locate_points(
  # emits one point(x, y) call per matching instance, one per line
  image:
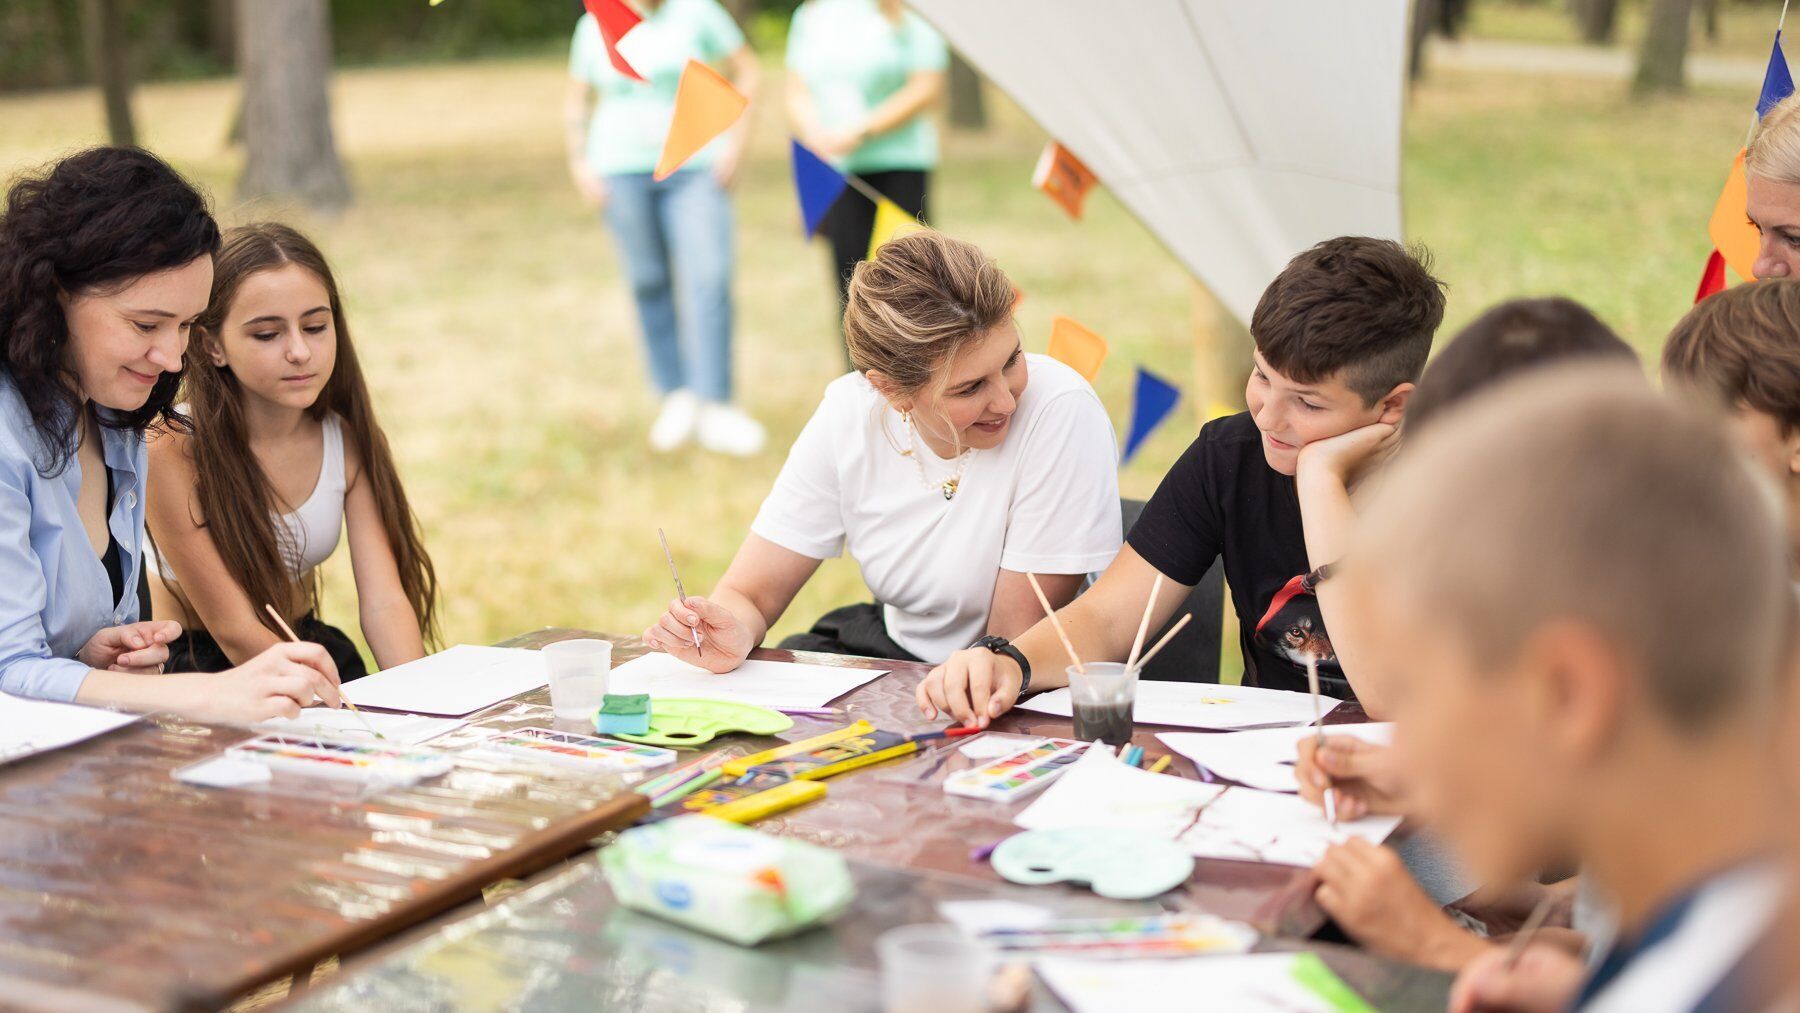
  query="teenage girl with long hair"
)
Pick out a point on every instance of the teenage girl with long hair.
point(285, 454)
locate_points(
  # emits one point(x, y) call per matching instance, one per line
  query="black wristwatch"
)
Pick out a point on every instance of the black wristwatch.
point(1000, 645)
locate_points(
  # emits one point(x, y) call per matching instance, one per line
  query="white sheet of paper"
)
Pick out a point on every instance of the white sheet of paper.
point(399, 729)
point(1202, 705)
point(28, 727)
point(1243, 984)
point(1262, 759)
point(1098, 790)
point(762, 683)
point(455, 682)
point(224, 771)
point(1262, 826)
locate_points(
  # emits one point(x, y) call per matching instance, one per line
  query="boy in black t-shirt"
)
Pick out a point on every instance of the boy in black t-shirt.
point(1341, 336)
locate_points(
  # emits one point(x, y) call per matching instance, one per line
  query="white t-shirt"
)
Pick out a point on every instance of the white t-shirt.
point(1046, 500)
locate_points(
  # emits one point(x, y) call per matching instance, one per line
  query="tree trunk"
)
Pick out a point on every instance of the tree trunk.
point(1426, 14)
point(284, 48)
point(1662, 62)
point(111, 61)
point(968, 108)
point(1597, 19)
point(221, 31)
point(1710, 17)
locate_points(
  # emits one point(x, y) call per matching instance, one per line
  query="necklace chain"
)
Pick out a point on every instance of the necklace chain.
point(947, 486)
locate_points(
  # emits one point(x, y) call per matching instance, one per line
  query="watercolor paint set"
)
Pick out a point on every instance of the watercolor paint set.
point(362, 761)
point(1018, 774)
point(1167, 935)
point(582, 752)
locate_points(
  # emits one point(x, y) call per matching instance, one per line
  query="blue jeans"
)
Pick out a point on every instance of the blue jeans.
point(675, 238)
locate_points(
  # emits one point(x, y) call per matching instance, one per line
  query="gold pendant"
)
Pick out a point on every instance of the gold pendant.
point(950, 488)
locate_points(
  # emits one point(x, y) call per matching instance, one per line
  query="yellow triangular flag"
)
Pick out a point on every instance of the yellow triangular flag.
point(1077, 347)
point(891, 222)
point(1732, 234)
point(706, 105)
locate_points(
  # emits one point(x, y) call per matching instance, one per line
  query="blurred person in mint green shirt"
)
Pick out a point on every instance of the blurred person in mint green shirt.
point(674, 237)
point(862, 77)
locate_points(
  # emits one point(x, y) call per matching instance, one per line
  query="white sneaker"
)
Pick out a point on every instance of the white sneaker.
point(725, 429)
point(674, 425)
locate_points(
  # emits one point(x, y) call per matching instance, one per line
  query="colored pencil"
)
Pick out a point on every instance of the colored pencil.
point(1163, 764)
point(1312, 684)
point(946, 733)
point(292, 638)
point(685, 788)
point(679, 591)
point(1164, 642)
point(1056, 623)
point(1137, 645)
point(1522, 939)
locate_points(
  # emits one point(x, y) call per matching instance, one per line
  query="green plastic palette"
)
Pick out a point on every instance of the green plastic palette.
point(691, 722)
point(1116, 863)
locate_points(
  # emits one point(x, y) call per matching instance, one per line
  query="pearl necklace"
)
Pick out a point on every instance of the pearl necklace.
point(949, 485)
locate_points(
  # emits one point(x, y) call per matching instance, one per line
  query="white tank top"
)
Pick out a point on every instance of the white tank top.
point(314, 528)
point(310, 534)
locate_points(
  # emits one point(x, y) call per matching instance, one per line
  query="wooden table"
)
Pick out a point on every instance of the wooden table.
point(566, 944)
point(122, 888)
point(885, 815)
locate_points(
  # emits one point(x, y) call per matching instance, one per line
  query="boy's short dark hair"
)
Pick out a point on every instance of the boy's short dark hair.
point(1744, 345)
point(1508, 340)
point(1365, 307)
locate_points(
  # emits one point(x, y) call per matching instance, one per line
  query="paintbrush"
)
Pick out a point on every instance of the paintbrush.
point(1164, 642)
point(1522, 938)
point(292, 638)
point(1056, 623)
point(679, 592)
point(1312, 684)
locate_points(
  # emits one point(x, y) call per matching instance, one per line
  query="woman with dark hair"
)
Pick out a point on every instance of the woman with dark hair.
point(285, 454)
point(106, 259)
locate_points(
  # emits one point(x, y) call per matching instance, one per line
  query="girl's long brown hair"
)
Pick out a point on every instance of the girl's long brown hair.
point(237, 503)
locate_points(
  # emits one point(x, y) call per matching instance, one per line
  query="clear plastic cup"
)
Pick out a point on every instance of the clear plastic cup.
point(933, 969)
point(1101, 697)
point(578, 670)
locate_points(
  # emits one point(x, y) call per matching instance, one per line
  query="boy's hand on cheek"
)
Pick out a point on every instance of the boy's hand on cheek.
point(1346, 454)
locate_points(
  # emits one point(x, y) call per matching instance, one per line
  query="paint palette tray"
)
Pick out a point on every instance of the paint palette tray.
point(1018, 774)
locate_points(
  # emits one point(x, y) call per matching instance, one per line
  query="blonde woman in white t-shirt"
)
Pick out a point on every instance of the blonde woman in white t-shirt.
point(949, 465)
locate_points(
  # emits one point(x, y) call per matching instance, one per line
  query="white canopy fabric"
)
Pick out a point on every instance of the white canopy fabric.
point(1240, 131)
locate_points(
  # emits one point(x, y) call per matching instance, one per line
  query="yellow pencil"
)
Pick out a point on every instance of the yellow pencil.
point(1161, 765)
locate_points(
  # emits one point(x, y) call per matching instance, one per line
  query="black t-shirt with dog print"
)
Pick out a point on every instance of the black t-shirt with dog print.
point(1222, 498)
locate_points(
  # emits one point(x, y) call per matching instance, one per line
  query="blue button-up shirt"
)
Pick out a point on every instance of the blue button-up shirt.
point(54, 590)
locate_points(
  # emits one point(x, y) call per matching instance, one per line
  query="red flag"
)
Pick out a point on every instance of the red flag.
point(1712, 280)
point(615, 19)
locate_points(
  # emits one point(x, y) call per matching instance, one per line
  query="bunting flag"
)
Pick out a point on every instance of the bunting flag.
point(1152, 399)
point(818, 184)
point(1733, 237)
point(706, 105)
point(1712, 280)
point(615, 18)
point(1062, 177)
point(1777, 82)
point(891, 222)
point(1077, 347)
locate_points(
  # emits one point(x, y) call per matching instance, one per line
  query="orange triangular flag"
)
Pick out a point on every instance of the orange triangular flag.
point(1732, 234)
point(1063, 178)
point(706, 105)
point(1712, 280)
point(1077, 347)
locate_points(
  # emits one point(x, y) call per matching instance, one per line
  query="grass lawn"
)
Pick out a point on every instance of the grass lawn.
point(503, 350)
point(1745, 29)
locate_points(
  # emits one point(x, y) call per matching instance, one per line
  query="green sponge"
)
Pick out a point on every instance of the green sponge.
point(624, 715)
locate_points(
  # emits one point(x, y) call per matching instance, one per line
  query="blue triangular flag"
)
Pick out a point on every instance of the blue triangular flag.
point(1151, 402)
point(818, 184)
point(1777, 82)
